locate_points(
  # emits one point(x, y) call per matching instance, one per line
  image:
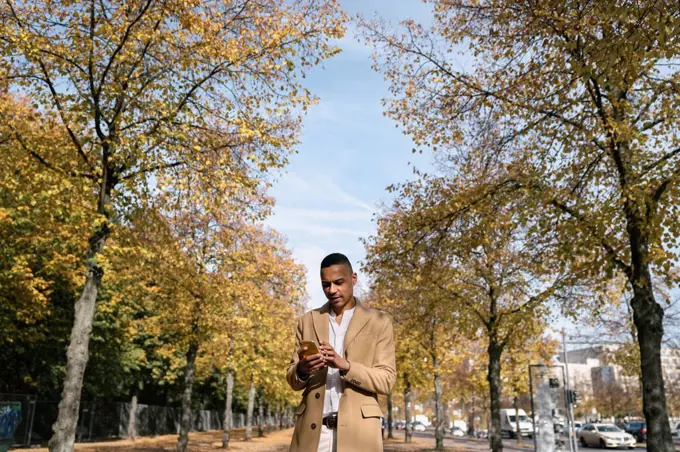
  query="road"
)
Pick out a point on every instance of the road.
point(482, 444)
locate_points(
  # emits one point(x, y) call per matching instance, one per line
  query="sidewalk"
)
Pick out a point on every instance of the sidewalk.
point(277, 441)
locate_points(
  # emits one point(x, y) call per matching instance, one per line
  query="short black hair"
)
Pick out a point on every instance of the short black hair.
point(336, 259)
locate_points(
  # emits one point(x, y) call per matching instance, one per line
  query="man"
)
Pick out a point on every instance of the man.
point(339, 411)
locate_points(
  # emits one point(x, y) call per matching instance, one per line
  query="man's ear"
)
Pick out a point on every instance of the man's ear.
point(354, 279)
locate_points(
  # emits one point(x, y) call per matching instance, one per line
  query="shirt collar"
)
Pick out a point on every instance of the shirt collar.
point(347, 311)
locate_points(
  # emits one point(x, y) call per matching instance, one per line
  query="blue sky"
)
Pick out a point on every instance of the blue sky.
point(349, 154)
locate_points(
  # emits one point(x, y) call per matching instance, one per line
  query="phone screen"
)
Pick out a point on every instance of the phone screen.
point(311, 348)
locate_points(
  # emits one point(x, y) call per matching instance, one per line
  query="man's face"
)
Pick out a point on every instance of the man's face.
point(338, 285)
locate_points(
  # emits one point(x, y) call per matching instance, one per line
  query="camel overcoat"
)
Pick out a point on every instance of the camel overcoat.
point(369, 348)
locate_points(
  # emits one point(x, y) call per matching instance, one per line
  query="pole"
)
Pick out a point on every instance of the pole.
point(29, 427)
point(533, 411)
point(573, 447)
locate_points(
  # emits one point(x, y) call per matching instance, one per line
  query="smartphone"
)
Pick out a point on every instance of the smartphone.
point(312, 349)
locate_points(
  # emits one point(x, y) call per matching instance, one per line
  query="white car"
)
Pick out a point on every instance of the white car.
point(604, 435)
point(417, 426)
point(577, 425)
point(457, 432)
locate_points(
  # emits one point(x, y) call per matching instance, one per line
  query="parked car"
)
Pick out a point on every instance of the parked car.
point(605, 435)
point(482, 433)
point(417, 426)
point(400, 425)
point(577, 426)
point(638, 429)
point(457, 431)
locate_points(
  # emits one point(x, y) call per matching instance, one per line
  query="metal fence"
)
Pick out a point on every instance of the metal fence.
point(100, 420)
point(23, 432)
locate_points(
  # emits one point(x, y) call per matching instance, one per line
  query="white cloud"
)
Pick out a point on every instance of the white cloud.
point(324, 215)
point(289, 224)
point(314, 188)
point(348, 198)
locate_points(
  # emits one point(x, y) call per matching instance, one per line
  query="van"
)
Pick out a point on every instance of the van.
point(509, 423)
point(462, 425)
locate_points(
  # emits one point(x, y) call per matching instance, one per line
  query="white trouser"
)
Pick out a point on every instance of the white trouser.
point(328, 442)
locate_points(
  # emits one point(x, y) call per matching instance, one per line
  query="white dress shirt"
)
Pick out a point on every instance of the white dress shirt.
point(336, 338)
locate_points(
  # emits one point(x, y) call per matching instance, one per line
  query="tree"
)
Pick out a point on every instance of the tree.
point(468, 380)
point(411, 363)
point(215, 265)
point(585, 97)
point(41, 268)
point(530, 346)
point(428, 321)
point(39, 247)
point(147, 92)
point(478, 256)
point(267, 290)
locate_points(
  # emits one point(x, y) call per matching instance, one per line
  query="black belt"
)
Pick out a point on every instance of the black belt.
point(330, 421)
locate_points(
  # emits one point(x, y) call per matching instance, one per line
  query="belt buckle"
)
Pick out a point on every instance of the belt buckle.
point(332, 420)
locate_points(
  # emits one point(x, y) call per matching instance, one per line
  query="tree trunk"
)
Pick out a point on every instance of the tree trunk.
point(185, 425)
point(132, 418)
point(260, 414)
point(227, 410)
point(438, 407)
point(77, 354)
point(515, 405)
point(494, 379)
point(390, 420)
point(269, 419)
point(471, 417)
point(407, 409)
point(249, 415)
point(648, 318)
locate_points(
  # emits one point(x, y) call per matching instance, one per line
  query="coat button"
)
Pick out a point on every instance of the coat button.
point(317, 395)
point(313, 426)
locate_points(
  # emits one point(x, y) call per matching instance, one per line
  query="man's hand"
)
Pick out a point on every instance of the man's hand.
point(311, 363)
point(332, 358)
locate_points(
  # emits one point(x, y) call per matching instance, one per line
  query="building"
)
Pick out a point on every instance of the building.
point(590, 369)
point(581, 365)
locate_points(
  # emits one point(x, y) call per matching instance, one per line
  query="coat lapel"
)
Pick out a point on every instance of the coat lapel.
point(320, 320)
point(359, 320)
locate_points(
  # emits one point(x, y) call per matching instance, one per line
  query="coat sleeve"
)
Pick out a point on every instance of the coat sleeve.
point(291, 374)
point(381, 376)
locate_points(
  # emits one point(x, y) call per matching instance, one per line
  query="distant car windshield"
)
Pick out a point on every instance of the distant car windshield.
point(522, 418)
point(608, 428)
